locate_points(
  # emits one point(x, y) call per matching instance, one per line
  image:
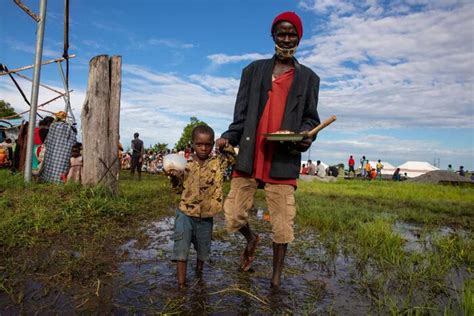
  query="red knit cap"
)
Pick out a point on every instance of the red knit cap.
point(291, 17)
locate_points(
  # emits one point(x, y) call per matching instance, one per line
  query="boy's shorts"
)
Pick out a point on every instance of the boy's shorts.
point(189, 230)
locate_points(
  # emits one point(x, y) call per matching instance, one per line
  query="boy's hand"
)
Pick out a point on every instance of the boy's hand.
point(221, 142)
point(173, 172)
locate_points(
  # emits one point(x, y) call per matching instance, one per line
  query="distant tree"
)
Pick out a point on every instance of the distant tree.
point(186, 135)
point(159, 147)
point(6, 109)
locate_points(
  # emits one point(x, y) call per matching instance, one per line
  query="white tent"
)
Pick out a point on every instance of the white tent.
point(388, 168)
point(416, 168)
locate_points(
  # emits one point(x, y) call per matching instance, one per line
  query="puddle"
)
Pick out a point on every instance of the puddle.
point(316, 280)
point(310, 284)
point(419, 239)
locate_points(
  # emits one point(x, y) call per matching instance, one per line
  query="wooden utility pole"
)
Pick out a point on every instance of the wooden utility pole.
point(100, 123)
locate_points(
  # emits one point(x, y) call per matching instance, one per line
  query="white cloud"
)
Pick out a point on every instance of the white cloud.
point(397, 71)
point(27, 48)
point(170, 43)
point(224, 85)
point(221, 59)
point(92, 44)
point(203, 96)
point(162, 103)
point(9, 93)
point(325, 6)
point(391, 149)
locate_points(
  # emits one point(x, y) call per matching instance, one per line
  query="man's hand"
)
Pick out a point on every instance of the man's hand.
point(303, 144)
point(221, 142)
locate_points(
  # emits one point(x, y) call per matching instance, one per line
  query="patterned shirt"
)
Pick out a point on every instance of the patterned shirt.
point(201, 185)
point(61, 137)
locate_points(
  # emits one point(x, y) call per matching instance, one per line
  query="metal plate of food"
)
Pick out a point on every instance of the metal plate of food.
point(284, 137)
point(289, 136)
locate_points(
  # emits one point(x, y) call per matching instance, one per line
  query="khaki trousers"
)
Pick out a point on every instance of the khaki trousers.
point(280, 200)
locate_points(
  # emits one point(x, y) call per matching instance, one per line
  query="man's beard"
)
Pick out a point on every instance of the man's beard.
point(285, 53)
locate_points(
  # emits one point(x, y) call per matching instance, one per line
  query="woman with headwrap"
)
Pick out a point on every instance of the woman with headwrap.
point(274, 94)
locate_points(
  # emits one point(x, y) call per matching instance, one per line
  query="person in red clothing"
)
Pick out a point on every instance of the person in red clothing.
point(304, 169)
point(372, 174)
point(351, 164)
point(274, 94)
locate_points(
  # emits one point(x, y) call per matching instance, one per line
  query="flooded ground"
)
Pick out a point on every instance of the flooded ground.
point(311, 285)
point(317, 280)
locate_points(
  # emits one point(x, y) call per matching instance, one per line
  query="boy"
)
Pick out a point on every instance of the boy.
point(201, 198)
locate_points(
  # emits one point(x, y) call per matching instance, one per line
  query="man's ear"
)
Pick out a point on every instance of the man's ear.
point(273, 35)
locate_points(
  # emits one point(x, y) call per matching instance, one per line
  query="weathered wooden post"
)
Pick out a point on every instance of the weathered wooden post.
point(100, 122)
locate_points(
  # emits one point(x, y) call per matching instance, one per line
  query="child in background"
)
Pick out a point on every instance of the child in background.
point(3, 156)
point(75, 162)
point(373, 174)
point(304, 169)
point(201, 185)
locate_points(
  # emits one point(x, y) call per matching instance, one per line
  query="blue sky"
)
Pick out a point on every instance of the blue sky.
point(398, 74)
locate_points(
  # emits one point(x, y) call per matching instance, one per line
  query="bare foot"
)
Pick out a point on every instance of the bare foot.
point(248, 256)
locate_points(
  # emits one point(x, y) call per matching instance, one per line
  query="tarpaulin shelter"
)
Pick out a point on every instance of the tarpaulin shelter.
point(416, 168)
point(9, 128)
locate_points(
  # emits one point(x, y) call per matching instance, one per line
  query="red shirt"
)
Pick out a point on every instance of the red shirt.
point(36, 137)
point(351, 162)
point(270, 122)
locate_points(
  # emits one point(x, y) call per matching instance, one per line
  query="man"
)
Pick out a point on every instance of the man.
point(363, 162)
point(368, 168)
point(320, 170)
point(311, 168)
point(351, 164)
point(137, 155)
point(379, 167)
point(274, 94)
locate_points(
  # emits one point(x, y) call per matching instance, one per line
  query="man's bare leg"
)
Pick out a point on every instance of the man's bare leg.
point(249, 253)
point(279, 253)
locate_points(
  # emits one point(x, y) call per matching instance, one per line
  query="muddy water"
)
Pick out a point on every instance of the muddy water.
point(313, 281)
point(419, 239)
point(316, 280)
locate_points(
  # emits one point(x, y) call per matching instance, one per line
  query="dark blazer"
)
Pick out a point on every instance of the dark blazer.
point(300, 115)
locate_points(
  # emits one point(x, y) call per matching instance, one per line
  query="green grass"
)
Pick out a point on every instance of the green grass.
point(357, 218)
point(334, 206)
point(32, 213)
point(62, 235)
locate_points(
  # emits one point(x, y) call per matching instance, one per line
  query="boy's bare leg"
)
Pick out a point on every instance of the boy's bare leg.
point(279, 253)
point(199, 267)
point(249, 252)
point(181, 272)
